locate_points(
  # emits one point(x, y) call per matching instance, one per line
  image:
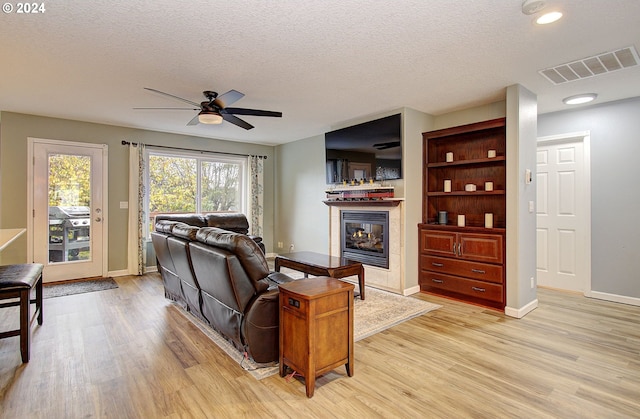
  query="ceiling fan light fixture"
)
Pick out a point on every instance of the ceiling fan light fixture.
point(548, 18)
point(209, 118)
point(580, 99)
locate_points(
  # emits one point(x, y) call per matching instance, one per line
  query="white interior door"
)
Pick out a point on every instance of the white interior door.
point(563, 213)
point(68, 229)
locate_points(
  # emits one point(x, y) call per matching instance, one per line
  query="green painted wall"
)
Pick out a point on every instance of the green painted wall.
point(16, 128)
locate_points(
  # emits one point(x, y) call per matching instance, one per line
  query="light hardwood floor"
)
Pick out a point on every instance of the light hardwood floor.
point(125, 353)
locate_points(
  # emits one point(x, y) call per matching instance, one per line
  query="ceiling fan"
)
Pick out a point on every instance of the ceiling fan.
point(384, 146)
point(214, 110)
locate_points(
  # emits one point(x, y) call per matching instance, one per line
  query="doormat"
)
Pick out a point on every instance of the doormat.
point(77, 287)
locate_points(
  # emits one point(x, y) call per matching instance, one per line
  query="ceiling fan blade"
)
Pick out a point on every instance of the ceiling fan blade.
point(194, 121)
point(254, 112)
point(384, 146)
point(174, 109)
point(236, 121)
point(228, 98)
point(173, 96)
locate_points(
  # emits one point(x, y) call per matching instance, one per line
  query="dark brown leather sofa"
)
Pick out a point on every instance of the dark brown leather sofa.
point(222, 277)
point(236, 222)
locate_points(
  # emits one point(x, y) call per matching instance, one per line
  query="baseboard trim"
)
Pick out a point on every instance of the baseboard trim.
point(615, 298)
point(122, 272)
point(519, 313)
point(411, 291)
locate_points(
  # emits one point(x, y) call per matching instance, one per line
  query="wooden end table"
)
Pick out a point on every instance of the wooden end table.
point(318, 264)
point(316, 327)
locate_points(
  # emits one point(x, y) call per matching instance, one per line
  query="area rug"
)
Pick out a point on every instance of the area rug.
point(77, 287)
point(379, 311)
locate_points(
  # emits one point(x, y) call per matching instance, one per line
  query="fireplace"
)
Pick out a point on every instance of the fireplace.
point(365, 238)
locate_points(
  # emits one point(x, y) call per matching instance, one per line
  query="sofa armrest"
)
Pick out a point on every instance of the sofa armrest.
point(278, 278)
point(260, 327)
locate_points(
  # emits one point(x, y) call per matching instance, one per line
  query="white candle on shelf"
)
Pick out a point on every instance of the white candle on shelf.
point(488, 220)
point(449, 157)
point(461, 220)
point(447, 185)
point(488, 186)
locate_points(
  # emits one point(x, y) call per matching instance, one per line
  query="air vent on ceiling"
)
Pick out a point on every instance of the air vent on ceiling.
point(592, 66)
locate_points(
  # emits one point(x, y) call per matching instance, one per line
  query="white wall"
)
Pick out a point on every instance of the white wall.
point(521, 223)
point(615, 196)
point(414, 124)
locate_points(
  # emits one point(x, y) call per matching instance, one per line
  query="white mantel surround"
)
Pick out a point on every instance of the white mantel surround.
point(391, 279)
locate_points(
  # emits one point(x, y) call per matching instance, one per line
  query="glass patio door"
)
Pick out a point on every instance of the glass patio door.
point(68, 215)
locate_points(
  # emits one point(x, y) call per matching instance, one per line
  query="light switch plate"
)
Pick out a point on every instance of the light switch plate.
point(124, 204)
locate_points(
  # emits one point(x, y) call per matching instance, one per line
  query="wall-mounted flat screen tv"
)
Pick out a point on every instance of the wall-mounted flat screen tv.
point(371, 150)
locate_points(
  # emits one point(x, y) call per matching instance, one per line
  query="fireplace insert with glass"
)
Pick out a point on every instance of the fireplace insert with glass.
point(365, 237)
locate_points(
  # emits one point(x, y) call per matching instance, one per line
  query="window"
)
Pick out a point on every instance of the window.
point(183, 182)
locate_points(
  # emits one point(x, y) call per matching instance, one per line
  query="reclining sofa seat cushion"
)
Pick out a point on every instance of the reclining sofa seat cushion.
point(166, 267)
point(178, 243)
point(236, 222)
point(230, 269)
point(249, 254)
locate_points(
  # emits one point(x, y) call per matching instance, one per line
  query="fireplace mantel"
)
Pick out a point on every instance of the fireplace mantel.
point(389, 202)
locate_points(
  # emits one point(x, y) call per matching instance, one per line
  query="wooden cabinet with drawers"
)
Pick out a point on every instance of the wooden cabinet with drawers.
point(464, 174)
point(466, 266)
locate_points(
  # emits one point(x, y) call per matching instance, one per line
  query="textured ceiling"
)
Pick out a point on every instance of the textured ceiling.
point(318, 62)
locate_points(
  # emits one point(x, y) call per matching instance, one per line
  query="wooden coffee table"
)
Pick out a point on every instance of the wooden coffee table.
point(318, 264)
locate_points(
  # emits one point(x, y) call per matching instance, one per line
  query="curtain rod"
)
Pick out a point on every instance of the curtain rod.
point(124, 142)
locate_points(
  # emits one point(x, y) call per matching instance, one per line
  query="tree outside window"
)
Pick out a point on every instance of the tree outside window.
point(184, 183)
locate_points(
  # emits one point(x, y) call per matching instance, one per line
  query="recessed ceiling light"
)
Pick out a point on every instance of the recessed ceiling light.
point(579, 99)
point(548, 18)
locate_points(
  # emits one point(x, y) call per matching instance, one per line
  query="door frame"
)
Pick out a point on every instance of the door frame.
point(585, 138)
point(31, 141)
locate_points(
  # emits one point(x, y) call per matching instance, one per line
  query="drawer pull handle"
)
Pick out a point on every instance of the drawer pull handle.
point(478, 271)
point(439, 265)
point(437, 281)
point(478, 289)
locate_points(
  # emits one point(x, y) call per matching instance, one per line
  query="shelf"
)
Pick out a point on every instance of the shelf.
point(365, 187)
point(497, 159)
point(468, 228)
point(454, 261)
point(377, 202)
point(465, 193)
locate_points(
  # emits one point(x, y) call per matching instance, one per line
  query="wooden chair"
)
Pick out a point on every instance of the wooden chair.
point(17, 281)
